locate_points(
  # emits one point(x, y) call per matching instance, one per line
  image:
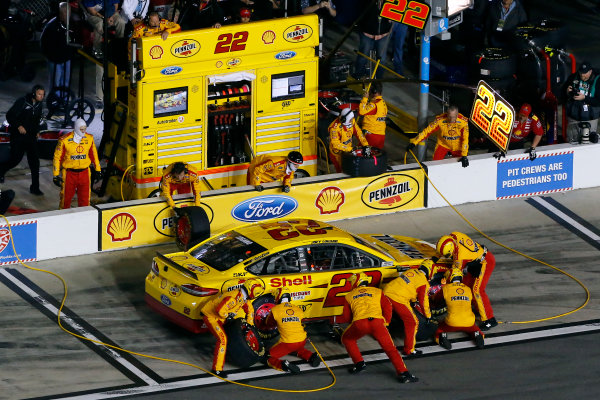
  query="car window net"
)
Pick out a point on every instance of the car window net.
point(224, 251)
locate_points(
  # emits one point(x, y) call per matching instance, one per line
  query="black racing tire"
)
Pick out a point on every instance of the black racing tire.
point(262, 309)
point(496, 63)
point(244, 345)
point(300, 173)
point(425, 330)
point(192, 227)
point(355, 165)
point(549, 33)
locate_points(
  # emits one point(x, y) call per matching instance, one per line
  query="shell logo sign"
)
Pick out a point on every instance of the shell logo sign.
point(390, 191)
point(297, 33)
point(330, 200)
point(268, 37)
point(156, 52)
point(121, 227)
point(185, 48)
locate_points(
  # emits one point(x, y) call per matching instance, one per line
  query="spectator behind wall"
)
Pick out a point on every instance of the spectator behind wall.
point(582, 95)
point(198, 14)
point(502, 19)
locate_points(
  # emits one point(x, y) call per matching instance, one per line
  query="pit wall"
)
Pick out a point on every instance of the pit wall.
point(327, 198)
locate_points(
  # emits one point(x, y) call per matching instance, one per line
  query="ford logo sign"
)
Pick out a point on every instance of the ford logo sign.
point(285, 55)
point(264, 207)
point(166, 301)
point(171, 70)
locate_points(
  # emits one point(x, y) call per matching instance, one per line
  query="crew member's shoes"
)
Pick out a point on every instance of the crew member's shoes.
point(489, 324)
point(220, 374)
point(444, 342)
point(289, 367)
point(35, 191)
point(356, 368)
point(407, 377)
point(479, 340)
point(414, 353)
point(314, 360)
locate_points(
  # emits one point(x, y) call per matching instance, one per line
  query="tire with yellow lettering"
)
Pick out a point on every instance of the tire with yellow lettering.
point(244, 345)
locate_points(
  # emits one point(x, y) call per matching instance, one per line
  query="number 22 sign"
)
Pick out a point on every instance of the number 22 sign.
point(493, 115)
point(412, 13)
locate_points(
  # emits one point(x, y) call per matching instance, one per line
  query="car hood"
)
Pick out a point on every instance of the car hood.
point(403, 249)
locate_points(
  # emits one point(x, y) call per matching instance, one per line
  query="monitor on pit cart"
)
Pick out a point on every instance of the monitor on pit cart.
point(172, 101)
point(287, 86)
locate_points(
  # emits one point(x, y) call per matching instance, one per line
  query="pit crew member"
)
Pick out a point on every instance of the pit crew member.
point(264, 169)
point(73, 155)
point(374, 112)
point(524, 124)
point(452, 130)
point(155, 26)
point(370, 312)
point(477, 264)
point(181, 178)
point(341, 131)
point(292, 336)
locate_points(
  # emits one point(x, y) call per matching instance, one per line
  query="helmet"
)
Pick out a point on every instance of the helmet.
point(252, 288)
point(245, 13)
point(445, 246)
point(283, 295)
point(358, 279)
point(453, 275)
point(525, 109)
point(295, 157)
point(346, 116)
point(426, 267)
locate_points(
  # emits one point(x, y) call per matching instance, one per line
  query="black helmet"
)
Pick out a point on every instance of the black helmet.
point(295, 157)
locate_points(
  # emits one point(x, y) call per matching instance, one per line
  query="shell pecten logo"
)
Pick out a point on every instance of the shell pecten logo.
point(121, 227)
point(330, 200)
point(390, 191)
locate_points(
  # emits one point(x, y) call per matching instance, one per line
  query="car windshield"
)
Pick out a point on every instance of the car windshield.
point(224, 251)
point(372, 246)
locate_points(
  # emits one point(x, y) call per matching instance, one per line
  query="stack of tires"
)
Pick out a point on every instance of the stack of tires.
point(498, 66)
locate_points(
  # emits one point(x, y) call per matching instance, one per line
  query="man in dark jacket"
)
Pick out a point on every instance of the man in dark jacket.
point(24, 118)
point(583, 100)
point(374, 35)
point(198, 14)
point(503, 18)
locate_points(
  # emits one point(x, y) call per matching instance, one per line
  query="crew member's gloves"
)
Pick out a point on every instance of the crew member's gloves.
point(98, 175)
point(531, 152)
point(230, 316)
point(259, 188)
point(57, 180)
point(410, 147)
point(286, 189)
point(465, 161)
point(499, 155)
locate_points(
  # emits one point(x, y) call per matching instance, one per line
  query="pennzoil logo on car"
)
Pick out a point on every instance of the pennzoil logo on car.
point(234, 62)
point(390, 191)
point(164, 220)
point(330, 200)
point(264, 207)
point(121, 227)
point(174, 291)
point(185, 48)
point(297, 33)
point(202, 270)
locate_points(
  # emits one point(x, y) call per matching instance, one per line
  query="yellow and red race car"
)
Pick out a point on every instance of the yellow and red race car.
point(313, 259)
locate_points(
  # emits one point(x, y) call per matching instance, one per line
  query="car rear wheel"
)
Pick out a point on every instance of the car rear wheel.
point(244, 345)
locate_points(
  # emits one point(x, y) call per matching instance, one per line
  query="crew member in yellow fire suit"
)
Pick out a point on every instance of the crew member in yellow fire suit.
point(181, 178)
point(370, 312)
point(292, 336)
point(477, 264)
point(460, 317)
point(226, 306)
point(341, 131)
point(411, 286)
point(264, 169)
point(73, 155)
point(452, 130)
point(155, 26)
point(374, 112)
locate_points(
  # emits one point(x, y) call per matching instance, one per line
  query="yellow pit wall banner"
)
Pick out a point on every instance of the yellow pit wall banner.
point(143, 222)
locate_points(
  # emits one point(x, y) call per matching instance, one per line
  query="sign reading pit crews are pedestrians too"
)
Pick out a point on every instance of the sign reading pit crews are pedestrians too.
point(551, 172)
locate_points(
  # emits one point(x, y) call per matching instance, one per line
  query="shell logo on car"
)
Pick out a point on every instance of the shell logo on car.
point(330, 200)
point(185, 48)
point(390, 191)
point(297, 33)
point(121, 227)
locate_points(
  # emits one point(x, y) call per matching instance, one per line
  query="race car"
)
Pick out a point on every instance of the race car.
point(313, 259)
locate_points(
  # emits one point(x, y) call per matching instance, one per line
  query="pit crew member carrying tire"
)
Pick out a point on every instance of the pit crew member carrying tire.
point(341, 131)
point(292, 336)
point(181, 178)
point(452, 130)
point(410, 286)
point(460, 317)
point(74, 154)
point(370, 312)
point(477, 264)
point(226, 306)
point(374, 112)
point(264, 169)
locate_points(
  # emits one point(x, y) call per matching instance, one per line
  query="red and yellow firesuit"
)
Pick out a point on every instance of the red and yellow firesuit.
point(521, 130)
point(477, 263)
point(374, 114)
point(460, 317)
point(74, 159)
point(410, 286)
point(370, 312)
point(264, 169)
point(292, 336)
point(190, 183)
point(216, 311)
point(142, 29)
point(340, 140)
point(452, 137)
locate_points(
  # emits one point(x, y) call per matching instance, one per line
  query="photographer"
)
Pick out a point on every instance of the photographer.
point(582, 100)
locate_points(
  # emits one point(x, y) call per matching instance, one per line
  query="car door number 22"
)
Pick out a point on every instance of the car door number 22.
point(335, 296)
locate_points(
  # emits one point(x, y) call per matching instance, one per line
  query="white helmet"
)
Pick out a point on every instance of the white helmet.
point(346, 117)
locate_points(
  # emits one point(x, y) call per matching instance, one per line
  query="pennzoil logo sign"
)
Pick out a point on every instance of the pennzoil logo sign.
point(390, 191)
point(297, 33)
point(185, 48)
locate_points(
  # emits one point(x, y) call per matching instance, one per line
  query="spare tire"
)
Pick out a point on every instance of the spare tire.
point(357, 163)
point(496, 63)
point(244, 345)
point(191, 227)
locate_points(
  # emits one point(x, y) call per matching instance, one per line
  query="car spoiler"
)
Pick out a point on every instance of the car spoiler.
point(178, 267)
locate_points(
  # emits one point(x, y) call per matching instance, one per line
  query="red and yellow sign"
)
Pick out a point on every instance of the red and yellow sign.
point(412, 13)
point(493, 115)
